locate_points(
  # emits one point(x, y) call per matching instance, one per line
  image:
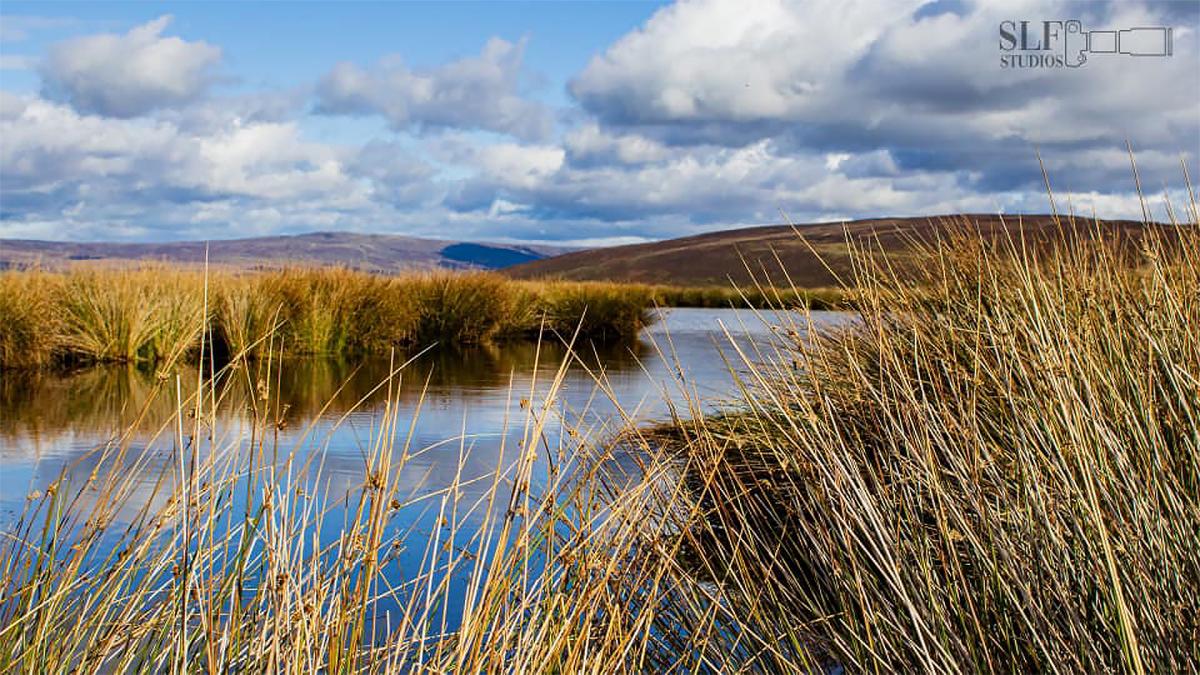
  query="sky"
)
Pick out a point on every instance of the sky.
point(578, 123)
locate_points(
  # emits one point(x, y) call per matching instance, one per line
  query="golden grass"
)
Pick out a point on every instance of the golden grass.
point(154, 315)
point(757, 297)
point(30, 327)
point(996, 469)
point(607, 310)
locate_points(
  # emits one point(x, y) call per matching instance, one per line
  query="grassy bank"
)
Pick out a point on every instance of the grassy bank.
point(158, 315)
point(153, 314)
point(998, 470)
point(995, 470)
point(757, 297)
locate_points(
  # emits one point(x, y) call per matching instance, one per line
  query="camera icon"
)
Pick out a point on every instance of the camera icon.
point(1078, 43)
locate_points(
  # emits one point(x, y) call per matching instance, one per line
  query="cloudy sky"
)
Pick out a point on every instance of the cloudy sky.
point(582, 123)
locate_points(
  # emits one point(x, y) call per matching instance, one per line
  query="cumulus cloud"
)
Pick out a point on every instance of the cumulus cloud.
point(398, 174)
point(709, 115)
point(711, 60)
point(919, 80)
point(699, 187)
point(481, 92)
point(592, 144)
point(71, 174)
point(130, 74)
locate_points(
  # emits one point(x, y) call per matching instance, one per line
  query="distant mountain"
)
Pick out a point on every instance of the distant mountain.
point(716, 257)
point(370, 252)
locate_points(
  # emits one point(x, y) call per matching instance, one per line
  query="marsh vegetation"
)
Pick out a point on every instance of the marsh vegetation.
point(994, 467)
point(158, 316)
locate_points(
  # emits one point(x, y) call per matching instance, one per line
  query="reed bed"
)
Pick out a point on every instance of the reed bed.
point(994, 469)
point(157, 315)
point(997, 470)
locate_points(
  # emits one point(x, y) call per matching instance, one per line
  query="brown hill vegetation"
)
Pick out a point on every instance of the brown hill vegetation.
point(804, 251)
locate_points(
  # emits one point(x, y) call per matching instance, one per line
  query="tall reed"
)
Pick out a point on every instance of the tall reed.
point(30, 328)
point(468, 308)
point(129, 315)
point(153, 315)
point(996, 471)
point(244, 315)
point(607, 311)
point(213, 567)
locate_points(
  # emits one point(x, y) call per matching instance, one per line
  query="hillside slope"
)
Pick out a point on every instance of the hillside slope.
point(716, 257)
point(369, 252)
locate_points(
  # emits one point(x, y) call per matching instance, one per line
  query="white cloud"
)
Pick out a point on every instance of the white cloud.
point(590, 143)
point(482, 92)
point(710, 115)
point(704, 185)
point(131, 74)
point(716, 60)
point(517, 164)
point(922, 83)
point(77, 173)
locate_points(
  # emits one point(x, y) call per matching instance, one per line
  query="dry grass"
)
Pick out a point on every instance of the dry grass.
point(29, 328)
point(996, 470)
point(757, 297)
point(129, 316)
point(610, 311)
point(154, 315)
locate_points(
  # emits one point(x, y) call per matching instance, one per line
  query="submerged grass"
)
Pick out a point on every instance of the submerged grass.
point(995, 469)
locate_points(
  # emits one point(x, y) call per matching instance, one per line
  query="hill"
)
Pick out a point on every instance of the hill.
point(368, 252)
point(716, 257)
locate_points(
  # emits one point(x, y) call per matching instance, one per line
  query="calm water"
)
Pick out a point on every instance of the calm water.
point(457, 404)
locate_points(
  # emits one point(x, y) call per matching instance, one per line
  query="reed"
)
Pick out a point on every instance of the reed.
point(996, 471)
point(128, 316)
point(30, 328)
point(335, 311)
point(604, 310)
point(245, 314)
point(993, 469)
point(152, 315)
point(464, 309)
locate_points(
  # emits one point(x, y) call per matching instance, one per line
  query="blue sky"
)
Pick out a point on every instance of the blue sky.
point(272, 44)
point(583, 123)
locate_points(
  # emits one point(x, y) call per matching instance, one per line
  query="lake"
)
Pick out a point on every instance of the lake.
point(454, 413)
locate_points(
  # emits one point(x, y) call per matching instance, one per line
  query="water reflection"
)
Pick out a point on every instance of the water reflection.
point(311, 424)
point(329, 409)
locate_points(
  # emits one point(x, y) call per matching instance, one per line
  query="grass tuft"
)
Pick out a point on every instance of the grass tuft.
point(30, 328)
point(994, 469)
point(153, 316)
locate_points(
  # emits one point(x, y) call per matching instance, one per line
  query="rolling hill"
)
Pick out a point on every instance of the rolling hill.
point(716, 257)
point(702, 260)
point(368, 252)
